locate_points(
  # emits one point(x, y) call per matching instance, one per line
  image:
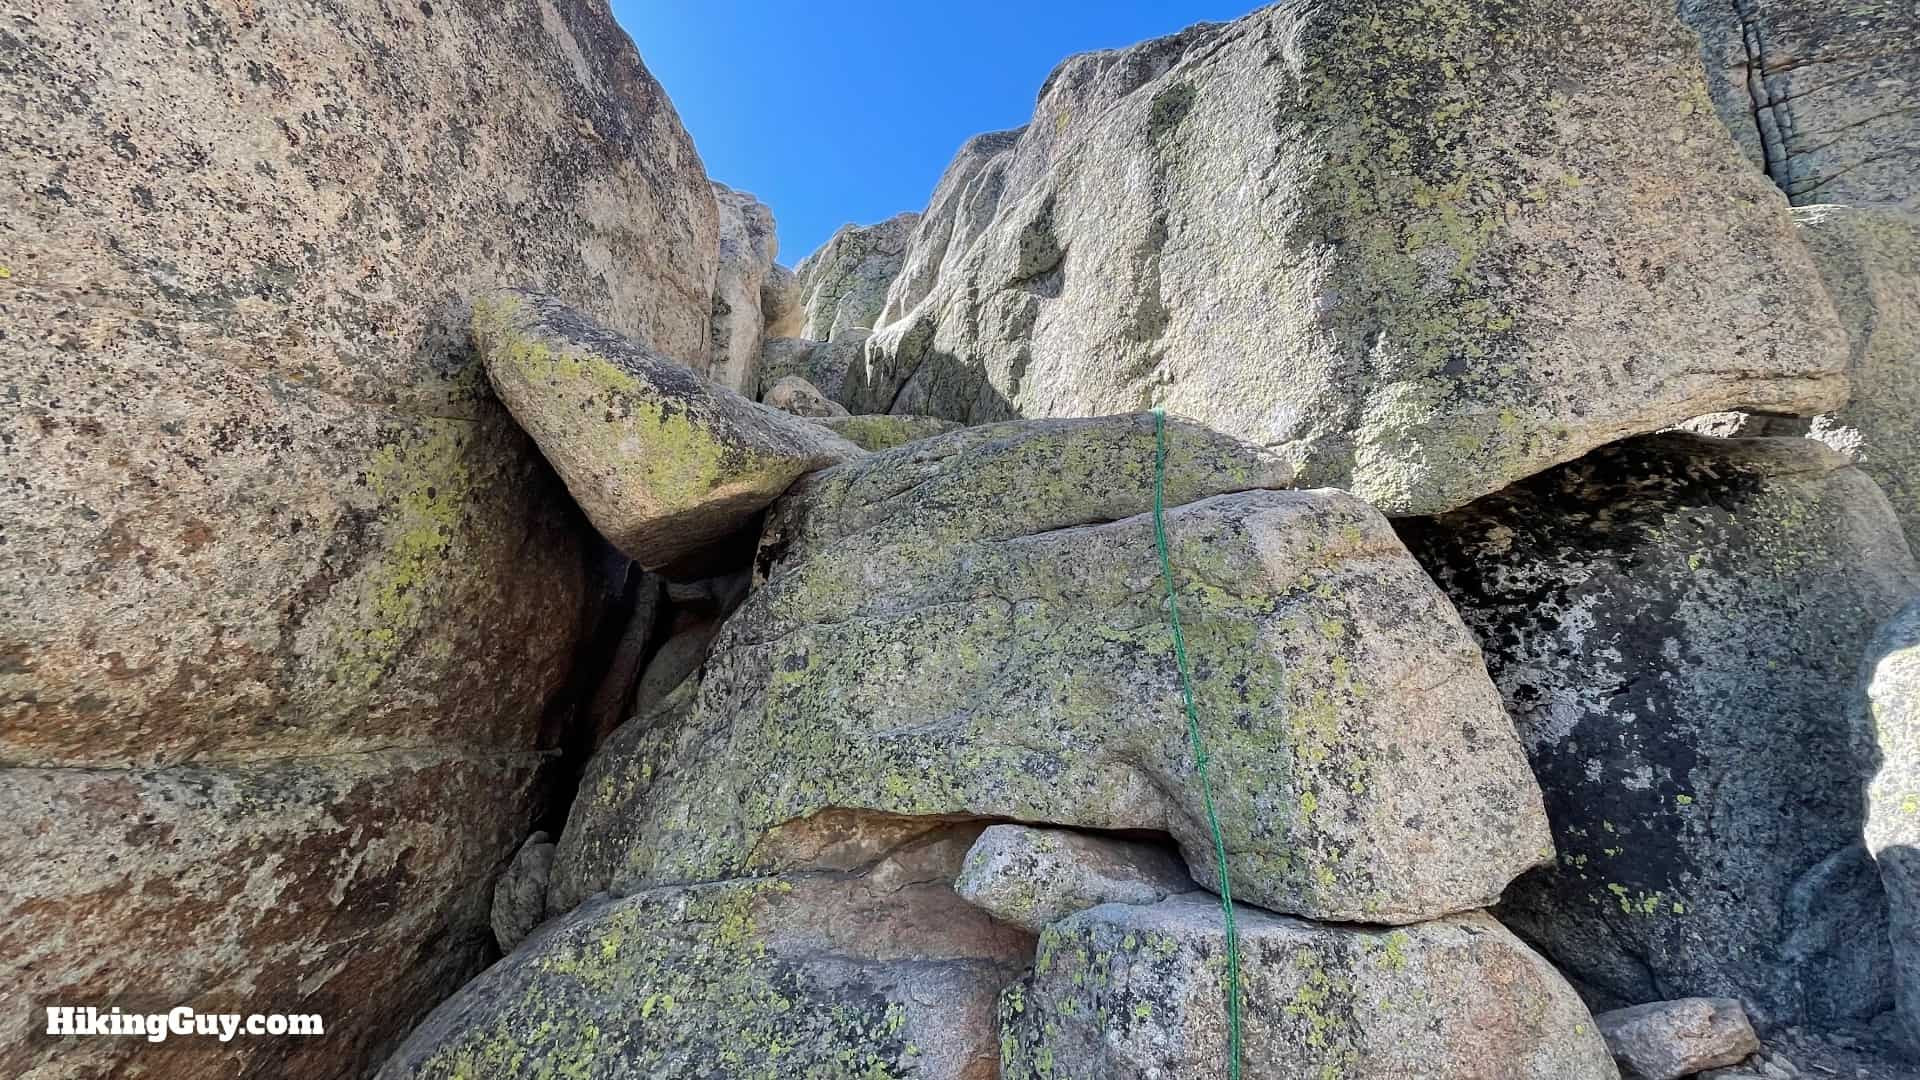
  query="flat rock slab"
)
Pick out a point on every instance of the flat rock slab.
point(1031, 877)
point(1676, 623)
point(798, 976)
point(1125, 992)
point(662, 461)
point(1666, 1040)
point(1387, 240)
point(974, 625)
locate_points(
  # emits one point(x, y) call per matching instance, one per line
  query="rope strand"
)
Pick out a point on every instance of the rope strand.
point(1200, 756)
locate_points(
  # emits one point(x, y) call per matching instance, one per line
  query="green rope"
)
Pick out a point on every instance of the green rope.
point(1199, 744)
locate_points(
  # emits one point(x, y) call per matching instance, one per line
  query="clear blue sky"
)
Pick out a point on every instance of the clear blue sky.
point(841, 110)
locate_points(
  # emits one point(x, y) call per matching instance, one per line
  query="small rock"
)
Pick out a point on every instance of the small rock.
point(1665, 1040)
point(1032, 877)
point(793, 394)
point(520, 896)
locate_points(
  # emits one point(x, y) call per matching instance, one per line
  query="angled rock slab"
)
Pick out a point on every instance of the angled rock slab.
point(1381, 238)
point(1126, 992)
point(883, 431)
point(844, 284)
point(1031, 877)
point(797, 976)
point(1824, 97)
point(972, 625)
point(661, 461)
point(1676, 623)
point(1889, 704)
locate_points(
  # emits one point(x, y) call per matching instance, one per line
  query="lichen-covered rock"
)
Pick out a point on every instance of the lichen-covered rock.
point(836, 367)
point(880, 974)
point(1675, 623)
point(662, 461)
point(793, 394)
point(1870, 263)
point(358, 886)
point(1889, 714)
point(1666, 1040)
point(259, 504)
point(520, 896)
point(884, 431)
point(1125, 992)
point(748, 247)
point(1825, 97)
point(844, 284)
point(1031, 877)
point(1384, 239)
point(973, 625)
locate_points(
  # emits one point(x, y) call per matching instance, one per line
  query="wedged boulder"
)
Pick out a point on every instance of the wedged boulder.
point(1031, 877)
point(972, 625)
point(803, 975)
point(1870, 263)
point(780, 304)
point(795, 395)
point(662, 461)
point(1667, 1040)
point(1381, 238)
point(1125, 992)
point(748, 247)
point(261, 507)
point(884, 431)
point(844, 284)
point(1888, 712)
point(1675, 623)
point(1825, 98)
point(520, 896)
point(357, 886)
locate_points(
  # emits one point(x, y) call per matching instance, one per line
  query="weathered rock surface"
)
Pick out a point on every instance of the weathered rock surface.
point(1124, 991)
point(1889, 704)
point(836, 367)
point(971, 625)
point(678, 658)
point(1380, 238)
point(1666, 1040)
point(1870, 263)
point(748, 247)
point(1824, 97)
point(780, 304)
point(520, 896)
point(264, 525)
point(662, 461)
point(795, 395)
point(361, 882)
point(844, 285)
point(1031, 877)
point(1675, 623)
point(804, 975)
point(886, 431)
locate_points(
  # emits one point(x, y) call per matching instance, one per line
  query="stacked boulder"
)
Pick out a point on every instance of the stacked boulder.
point(969, 629)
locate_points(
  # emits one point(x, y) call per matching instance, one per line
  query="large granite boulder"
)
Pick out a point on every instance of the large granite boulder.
point(748, 247)
point(1387, 240)
point(1675, 623)
point(972, 625)
point(844, 285)
point(1889, 705)
point(264, 518)
point(1869, 260)
point(1125, 992)
point(1824, 97)
point(880, 973)
point(662, 461)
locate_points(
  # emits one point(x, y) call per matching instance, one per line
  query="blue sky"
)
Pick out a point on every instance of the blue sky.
point(840, 110)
